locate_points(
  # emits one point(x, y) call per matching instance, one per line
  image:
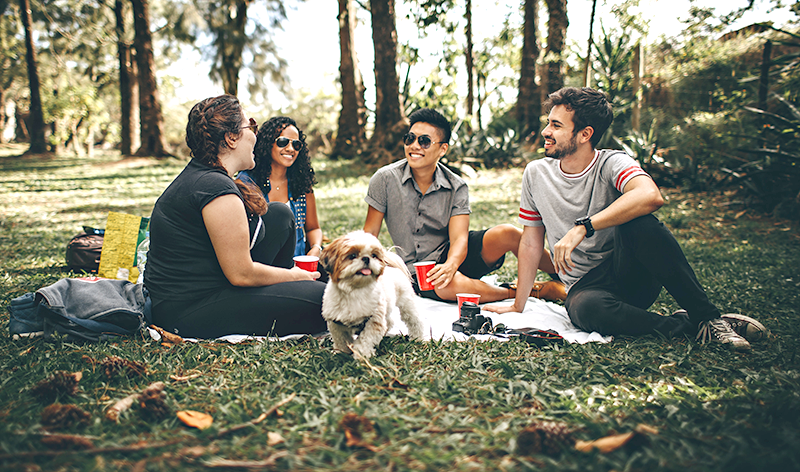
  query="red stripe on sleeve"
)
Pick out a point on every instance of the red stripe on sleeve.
point(625, 173)
point(529, 215)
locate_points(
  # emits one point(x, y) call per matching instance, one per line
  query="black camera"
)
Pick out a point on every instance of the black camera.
point(470, 320)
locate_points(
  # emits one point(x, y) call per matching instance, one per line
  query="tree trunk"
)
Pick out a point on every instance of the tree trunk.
point(230, 45)
point(151, 119)
point(529, 101)
point(352, 118)
point(588, 64)
point(763, 84)
point(470, 64)
point(637, 68)
point(36, 121)
point(557, 23)
point(128, 86)
point(389, 120)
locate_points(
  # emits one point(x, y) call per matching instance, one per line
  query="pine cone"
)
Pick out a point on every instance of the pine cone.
point(58, 416)
point(114, 365)
point(61, 383)
point(545, 437)
point(152, 404)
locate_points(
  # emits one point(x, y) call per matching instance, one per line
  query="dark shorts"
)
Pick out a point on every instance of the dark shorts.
point(473, 266)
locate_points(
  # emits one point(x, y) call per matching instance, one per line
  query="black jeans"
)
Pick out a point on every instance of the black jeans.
point(279, 309)
point(613, 298)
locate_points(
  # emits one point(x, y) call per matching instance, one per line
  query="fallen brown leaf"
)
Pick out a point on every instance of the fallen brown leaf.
point(274, 439)
point(166, 336)
point(606, 444)
point(616, 441)
point(195, 419)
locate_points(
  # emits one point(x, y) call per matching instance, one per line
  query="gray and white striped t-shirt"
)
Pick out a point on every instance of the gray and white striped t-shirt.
point(555, 199)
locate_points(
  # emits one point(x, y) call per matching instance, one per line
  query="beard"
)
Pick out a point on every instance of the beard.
point(559, 152)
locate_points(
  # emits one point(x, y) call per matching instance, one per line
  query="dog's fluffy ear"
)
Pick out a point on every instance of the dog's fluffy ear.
point(329, 257)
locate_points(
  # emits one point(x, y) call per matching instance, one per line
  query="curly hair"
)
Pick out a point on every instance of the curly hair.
point(210, 121)
point(300, 174)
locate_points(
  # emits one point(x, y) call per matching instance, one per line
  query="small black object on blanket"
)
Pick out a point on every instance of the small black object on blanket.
point(537, 337)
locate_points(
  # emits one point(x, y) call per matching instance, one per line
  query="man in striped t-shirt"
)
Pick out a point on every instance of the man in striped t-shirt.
point(595, 206)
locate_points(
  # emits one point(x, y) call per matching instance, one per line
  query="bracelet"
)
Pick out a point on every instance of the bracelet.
point(316, 245)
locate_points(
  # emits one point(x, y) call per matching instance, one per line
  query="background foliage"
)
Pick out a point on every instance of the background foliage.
point(431, 406)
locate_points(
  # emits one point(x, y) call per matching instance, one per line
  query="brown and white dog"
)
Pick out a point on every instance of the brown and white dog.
point(366, 283)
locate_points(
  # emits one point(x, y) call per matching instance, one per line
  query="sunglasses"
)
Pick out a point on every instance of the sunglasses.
point(425, 141)
point(283, 141)
point(253, 126)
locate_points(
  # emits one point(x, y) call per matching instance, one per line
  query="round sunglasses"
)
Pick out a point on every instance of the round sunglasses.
point(252, 126)
point(283, 141)
point(425, 141)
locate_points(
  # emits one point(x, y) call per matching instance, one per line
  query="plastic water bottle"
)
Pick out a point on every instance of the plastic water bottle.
point(141, 256)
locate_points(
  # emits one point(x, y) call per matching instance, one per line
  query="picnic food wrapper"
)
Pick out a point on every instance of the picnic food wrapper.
point(123, 234)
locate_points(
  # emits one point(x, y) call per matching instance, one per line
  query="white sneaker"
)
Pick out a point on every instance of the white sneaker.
point(746, 327)
point(719, 330)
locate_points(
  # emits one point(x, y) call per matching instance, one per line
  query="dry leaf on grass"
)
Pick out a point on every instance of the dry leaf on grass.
point(358, 430)
point(167, 337)
point(274, 439)
point(195, 419)
point(615, 441)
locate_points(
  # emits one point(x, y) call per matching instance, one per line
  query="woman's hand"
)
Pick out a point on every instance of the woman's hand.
point(300, 274)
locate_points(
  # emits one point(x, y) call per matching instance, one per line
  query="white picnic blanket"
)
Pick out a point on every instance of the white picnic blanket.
point(439, 317)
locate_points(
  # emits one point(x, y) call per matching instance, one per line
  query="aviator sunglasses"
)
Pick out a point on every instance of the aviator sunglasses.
point(283, 141)
point(253, 126)
point(425, 141)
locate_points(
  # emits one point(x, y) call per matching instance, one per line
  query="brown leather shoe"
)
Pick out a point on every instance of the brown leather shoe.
point(551, 290)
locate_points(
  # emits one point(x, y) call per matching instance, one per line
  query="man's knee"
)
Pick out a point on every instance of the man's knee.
point(590, 310)
point(503, 236)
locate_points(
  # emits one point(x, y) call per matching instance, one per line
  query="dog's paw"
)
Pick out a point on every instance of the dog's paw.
point(363, 352)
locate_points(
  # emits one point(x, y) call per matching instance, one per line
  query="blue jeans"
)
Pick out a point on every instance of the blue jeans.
point(613, 298)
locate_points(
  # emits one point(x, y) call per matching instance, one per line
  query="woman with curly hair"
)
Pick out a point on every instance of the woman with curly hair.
point(283, 172)
point(220, 259)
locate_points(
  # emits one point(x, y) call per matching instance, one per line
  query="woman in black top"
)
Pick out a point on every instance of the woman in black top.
point(220, 259)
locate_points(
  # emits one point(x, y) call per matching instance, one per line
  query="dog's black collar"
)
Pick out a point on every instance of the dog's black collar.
point(359, 327)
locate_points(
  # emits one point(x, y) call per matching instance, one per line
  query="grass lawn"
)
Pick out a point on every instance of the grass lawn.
point(418, 406)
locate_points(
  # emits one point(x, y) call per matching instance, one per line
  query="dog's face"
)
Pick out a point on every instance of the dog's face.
point(357, 258)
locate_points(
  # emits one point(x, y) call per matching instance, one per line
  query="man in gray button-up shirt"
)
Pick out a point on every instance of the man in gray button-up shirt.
point(426, 208)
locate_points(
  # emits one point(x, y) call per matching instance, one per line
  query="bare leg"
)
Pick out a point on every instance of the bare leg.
point(501, 239)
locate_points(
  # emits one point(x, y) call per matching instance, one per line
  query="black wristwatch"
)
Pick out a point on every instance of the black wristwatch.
point(586, 222)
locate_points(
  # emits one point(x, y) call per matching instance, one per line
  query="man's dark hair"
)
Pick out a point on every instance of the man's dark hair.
point(433, 118)
point(590, 107)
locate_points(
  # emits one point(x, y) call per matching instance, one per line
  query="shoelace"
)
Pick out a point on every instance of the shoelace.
point(718, 328)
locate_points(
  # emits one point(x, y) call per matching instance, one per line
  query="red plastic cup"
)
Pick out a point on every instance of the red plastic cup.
point(467, 297)
point(308, 263)
point(422, 269)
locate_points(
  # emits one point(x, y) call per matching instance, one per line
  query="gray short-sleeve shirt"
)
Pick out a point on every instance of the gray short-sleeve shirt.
point(417, 223)
point(555, 199)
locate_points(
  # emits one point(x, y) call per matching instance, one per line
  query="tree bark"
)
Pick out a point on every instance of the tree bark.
point(350, 134)
point(588, 63)
point(230, 44)
point(529, 101)
point(385, 143)
point(557, 23)
point(36, 121)
point(470, 64)
point(151, 118)
point(128, 86)
point(637, 68)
